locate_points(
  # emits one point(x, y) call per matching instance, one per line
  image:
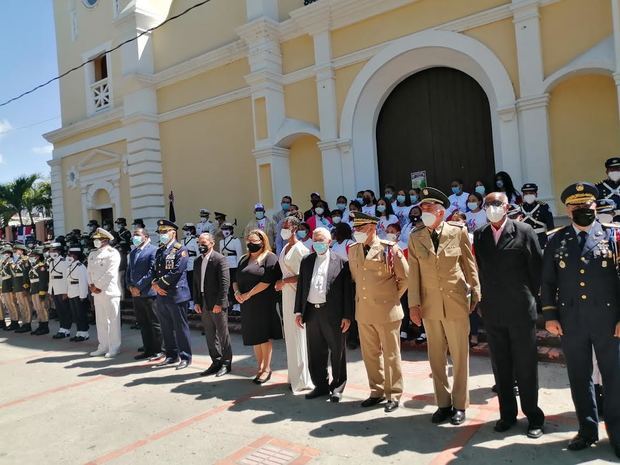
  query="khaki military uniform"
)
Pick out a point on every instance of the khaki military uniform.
point(21, 288)
point(380, 281)
point(441, 283)
point(8, 297)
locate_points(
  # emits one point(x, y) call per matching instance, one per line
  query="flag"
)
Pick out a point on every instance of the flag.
point(171, 215)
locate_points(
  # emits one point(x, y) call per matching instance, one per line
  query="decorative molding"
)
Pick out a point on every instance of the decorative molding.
point(205, 104)
point(478, 19)
point(88, 124)
point(533, 102)
point(88, 164)
point(507, 113)
point(268, 152)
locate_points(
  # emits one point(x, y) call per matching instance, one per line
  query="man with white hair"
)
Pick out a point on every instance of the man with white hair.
point(324, 303)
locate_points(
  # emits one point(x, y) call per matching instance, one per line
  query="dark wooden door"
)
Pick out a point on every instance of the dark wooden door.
point(436, 120)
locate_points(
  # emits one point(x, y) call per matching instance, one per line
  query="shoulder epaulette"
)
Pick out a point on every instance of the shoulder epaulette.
point(386, 242)
point(454, 223)
point(553, 231)
point(177, 245)
point(611, 225)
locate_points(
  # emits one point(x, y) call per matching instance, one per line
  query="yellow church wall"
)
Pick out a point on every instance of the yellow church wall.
point(403, 21)
point(260, 118)
point(297, 54)
point(208, 162)
point(301, 101)
point(306, 167)
point(206, 28)
point(572, 27)
point(266, 189)
point(344, 79)
point(585, 130)
point(206, 85)
point(86, 134)
point(500, 38)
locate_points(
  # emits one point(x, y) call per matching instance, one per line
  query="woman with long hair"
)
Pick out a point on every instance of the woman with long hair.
point(503, 183)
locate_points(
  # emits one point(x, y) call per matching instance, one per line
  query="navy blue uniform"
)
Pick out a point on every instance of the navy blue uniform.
point(169, 274)
point(539, 217)
point(608, 189)
point(581, 289)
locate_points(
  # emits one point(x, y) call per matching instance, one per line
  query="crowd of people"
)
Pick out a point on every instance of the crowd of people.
point(362, 273)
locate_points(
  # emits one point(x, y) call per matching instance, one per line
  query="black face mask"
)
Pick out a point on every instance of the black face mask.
point(367, 200)
point(204, 249)
point(584, 217)
point(253, 248)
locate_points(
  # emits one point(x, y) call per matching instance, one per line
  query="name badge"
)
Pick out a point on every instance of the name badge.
point(169, 264)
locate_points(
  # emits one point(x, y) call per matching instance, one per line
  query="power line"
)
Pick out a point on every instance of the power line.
point(11, 129)
point(34, 89)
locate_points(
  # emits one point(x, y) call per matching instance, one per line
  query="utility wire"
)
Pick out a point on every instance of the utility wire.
point(11, 129)
point(172, 18)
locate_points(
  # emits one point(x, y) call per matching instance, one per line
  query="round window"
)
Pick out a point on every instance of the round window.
point(89, 3)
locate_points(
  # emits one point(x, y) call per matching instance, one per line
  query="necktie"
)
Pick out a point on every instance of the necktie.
point(366, 250)
point(583, 237)
point(435, 239)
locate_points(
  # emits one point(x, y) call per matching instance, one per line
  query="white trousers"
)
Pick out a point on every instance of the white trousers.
point(296, 345)
point(108, 318)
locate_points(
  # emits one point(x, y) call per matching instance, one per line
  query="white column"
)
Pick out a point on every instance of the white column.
point(278, 160)
point(262, 8)
point(58, 208)
point(533, 103)
point(615, 9)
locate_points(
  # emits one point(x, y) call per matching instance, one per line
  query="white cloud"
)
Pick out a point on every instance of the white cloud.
point(1, 159)
point(5, 127)
point(43, 149)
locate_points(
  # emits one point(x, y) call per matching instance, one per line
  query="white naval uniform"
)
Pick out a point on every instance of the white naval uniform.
point(206, 227)
point(191, 244)
point(77, 273)
point(58, 276)
point(103, 267)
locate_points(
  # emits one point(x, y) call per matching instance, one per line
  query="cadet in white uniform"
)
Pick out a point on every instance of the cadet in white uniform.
point(205, 226)
point(77, 291)
point(190, 242)
point(230, 247)
point(57, 289)
point(103, 265)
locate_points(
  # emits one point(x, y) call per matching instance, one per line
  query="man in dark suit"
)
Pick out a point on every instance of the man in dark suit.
point(324, 302)
point(211, 282)
point(139, 264)
point(509, 265)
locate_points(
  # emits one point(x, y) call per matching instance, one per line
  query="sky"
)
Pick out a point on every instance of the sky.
point(27, 58)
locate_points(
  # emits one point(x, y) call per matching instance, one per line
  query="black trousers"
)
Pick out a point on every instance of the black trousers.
point(514, 354)
point(149, 324)
point(218, 337)
point(190, 281)
point(325, 341)
point(64, 311)
point(174, 328)
point(79, 312)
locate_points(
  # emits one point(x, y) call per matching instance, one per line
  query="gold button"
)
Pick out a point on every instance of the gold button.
point(582, 271)
point(584, 297)
point(582, 284)
point(363, 288)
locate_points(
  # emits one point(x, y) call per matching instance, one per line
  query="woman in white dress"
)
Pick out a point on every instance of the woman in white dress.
point(296, 350)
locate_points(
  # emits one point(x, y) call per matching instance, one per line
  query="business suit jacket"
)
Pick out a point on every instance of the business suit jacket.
point(138, 268)
point(216, 280)
point(438, 281)
point(510, 273)
point(339, 297)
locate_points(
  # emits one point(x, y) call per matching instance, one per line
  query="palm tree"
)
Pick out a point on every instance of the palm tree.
point(13, 194)
point(38, 197)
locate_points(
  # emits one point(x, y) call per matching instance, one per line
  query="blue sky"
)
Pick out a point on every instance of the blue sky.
point(27, 58)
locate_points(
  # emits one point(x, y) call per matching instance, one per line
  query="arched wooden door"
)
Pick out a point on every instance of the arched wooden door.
point(436, 120)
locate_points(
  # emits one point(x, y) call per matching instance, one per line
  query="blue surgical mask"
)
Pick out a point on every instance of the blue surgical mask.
point(401, 198)
point(380, 208)
point(456, 190)
point(301, 234)
point(336, 219)
point(388, 195)
point(260, 215)
point(499, 183)
point(285, 206)
point(164, 238)
point(481, 190)
point(136, 240)
point(413, 198)
point(341, 206)
point(360, 200)
point(320, 247)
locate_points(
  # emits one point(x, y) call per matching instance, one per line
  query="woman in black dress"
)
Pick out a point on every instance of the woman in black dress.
point(254, 287)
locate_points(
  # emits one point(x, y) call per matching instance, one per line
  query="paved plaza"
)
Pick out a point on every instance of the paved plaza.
point(60, 406)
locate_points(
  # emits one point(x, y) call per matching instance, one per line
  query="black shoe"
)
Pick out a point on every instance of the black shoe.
point(442, 414)
point(141, 356)
point(59, 336)
point(317, 392)
point(261, 380)
point(617, 451)
point(504, 425)
point(25, 328)
point(372, 401)
point(80, 339)
point(579, 443)
point(183, 364)
point(535, 432)
point(494, 388)
point(335, 397)
point(390, 406)
point(458, 418)
point(42, 329)
point(224, 370)
point(14, 326)
point(168, 361)
point(213, 369)
point(157, 356)
point(72, 339)
point(141, 349)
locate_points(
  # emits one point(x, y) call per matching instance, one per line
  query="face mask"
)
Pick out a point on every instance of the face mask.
point(97, 243)
point(614, 176)
point(260, 215)
point(480, 189)
point(70, 260)
point(529, 198)
point(54, 254)
point(203, 220)
point(164, 238)
point(341, 206)
point(583, 217)
point(336, 219)
point(320, 247)
point(360, 237)
point(366, 200)
point(286, 234)
point(204, 249)
point(285, 206)
point(401, 198)
point(413, 198)
point(388, 195)
point(360, 200)
point(495, 214)
point(605, 218)
point(302, 234)
point(92, 228)
point(391, 237)
point(253, 248)
point(456, 190)
point(472, 205)
point(187, 234)
point(499, 183)
point(119, 228)
point(319, 211)
point(428, 219)
point(381, 208)
point(136, 240)
point(226, 232)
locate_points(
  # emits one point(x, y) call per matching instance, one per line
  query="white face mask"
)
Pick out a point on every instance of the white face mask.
point(286, 234)
point(187, 234)
point(529, 198)
point(391, 237)
point(54, 254)
point(360, 237)
point(336, 219)
point(605, 218)
point(472, 205)
point(428, 219)
point(203, 220)
point(97, 243)
point(119, 227)
point(70, 260)
point(495, 214)
point(614, 176)
point(319, 210)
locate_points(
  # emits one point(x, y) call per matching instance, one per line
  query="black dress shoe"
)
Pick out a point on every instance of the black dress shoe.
point(156, 357)
point(72, 339)
point(261, 380)
point(335, 397)
point(504, 425)
point(535, 432)
point(372, 401)
point(59, 336)
point(317, 392)
point(390, 406)
point(80, 339)
point(224, 370)
point(141, 349)
point(442, 414)
point(494, 388)
point(167, 361)
point(141, 356)
point(458, 418)
point(213, 369)
point(617, 450)
point(183, 364)
point(25, 328)
point(579, 443)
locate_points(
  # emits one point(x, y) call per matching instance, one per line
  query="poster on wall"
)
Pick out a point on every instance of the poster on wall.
point(418, 179)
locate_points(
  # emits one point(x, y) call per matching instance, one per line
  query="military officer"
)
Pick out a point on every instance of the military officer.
point(205, 225)
point(38, 276)
point(536, 213)
point(8, 297)
point(605, 210)
point(138, 223)
point(581, 303)
point(379, 270)
point(190, 242)
point(169, 281)
point(21, 286)
point(92, 228)
point(442, 271)
point(220, 219)
point(58, 289)
point(609, 188)
point(103, 265)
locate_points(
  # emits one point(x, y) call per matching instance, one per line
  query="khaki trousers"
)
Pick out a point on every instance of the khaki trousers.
point(8, 298)
point(441, 336)
point(25, 307)
point(38, 303)
point(380, 344)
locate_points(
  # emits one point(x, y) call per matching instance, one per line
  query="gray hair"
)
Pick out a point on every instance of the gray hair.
point(323, 231)
point(207, 236)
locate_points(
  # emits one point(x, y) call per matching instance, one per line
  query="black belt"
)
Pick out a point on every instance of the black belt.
point(74, 282)
point(317, 305)
point(56, 277)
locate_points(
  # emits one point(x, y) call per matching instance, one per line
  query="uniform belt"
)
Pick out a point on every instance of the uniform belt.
point(34, 280)
point(191, 253)
point(56, 277)
point(18, 275)
point(5, 278)
point(323, 305)
point(74, 282)
point(540, 230)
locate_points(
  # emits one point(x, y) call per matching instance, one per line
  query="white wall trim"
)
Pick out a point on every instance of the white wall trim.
point(88, 124)
point(90, 143)
point(292, 129)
